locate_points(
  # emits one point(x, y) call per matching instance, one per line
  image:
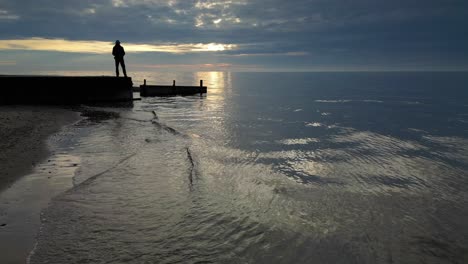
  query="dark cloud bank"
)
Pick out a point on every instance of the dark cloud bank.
point(423, 34)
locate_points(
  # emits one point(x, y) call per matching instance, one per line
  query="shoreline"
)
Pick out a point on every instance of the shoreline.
point(23, 135)
point(26, 187)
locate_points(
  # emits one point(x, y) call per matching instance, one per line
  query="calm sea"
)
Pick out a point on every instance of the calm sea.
point(269, 168)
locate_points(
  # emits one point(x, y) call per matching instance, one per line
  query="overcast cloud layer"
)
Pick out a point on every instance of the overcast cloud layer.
point(296, 34)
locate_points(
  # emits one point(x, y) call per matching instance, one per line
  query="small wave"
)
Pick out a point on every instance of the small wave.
point(314, 124)
point(270, 119)
point(453, 148)
point(332, 101)
point(366, 140)
point(452, 142)
point(373, 101)
point(260, 142)
point(393, 182)
point(417, 130)
point(298, 141)
point(167, 128)
point(90, 179)
point(348, 101)
point(192, 166)
point(410, 102)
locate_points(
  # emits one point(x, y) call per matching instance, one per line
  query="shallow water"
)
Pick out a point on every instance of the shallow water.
point(270, 168)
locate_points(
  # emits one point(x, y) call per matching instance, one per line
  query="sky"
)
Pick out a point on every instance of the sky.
point(234, 35)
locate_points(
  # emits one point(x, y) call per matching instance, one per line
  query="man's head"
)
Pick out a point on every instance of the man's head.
point(117, 42)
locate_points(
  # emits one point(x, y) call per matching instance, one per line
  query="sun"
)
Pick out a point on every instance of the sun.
point(215, 47)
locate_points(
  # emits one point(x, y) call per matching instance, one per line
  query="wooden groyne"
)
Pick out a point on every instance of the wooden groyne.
point(64, 89)
point(171, 90)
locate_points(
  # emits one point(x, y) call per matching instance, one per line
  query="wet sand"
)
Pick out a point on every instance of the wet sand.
point(24, 191)
point(23, 131)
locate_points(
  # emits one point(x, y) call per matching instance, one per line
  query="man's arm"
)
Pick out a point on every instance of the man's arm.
point(113, 51)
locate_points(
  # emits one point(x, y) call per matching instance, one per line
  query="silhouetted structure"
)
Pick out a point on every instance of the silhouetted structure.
point(64, 90)
point(171, 90)
point(119, 53)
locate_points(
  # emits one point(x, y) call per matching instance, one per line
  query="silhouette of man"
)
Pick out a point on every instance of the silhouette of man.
point(119, 53)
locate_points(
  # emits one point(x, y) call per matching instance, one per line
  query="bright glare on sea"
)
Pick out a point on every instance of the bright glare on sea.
point(269, 168)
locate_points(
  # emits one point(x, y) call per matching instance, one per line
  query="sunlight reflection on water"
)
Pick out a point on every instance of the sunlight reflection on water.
point(241, 176)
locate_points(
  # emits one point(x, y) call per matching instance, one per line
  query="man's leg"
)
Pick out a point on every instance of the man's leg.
point(117, 68)
point(122, 62)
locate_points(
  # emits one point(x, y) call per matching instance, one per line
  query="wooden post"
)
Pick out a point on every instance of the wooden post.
point(173, 83)
point(143, 89)
point(201, 87)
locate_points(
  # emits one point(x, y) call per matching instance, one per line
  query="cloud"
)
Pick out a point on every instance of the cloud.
point(101, 47)
point(6, 15)
point(292, 53)
point(198, 67)
point(7, 63)
point(364, 31)
point(209, 66)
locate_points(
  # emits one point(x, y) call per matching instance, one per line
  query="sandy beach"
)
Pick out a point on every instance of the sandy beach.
point(24, 131)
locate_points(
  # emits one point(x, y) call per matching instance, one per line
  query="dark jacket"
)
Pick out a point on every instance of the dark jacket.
point(118, 52)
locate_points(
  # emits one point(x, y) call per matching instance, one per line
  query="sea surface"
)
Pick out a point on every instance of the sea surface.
point(268, 168)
